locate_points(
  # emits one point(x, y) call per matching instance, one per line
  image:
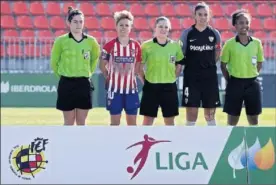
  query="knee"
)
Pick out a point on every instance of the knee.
point(80, 121)
point(148, 121)
point(69, 121)
point(209, 117)
point(253, 120)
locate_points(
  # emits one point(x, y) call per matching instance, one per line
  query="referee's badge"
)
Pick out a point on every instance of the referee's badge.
point(172, 59)
point(180, 43)
point(86, 55)
point(211, 39)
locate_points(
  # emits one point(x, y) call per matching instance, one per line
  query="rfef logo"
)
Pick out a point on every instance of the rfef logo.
point(28, 160)
point(252, 158)
point(143, 154)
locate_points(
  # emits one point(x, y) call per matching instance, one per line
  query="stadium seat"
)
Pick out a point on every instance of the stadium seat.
point(264, 10)
point(5, 8)
point(217, 10)
point(274, 9)
point(140, 23)
point(167, 9)
point(92, 23)
point(110, 35)
point(221, 23)
point(227, 35)
point(269, 52)
point(118, 7)
point(270, 23)
point(230, 8)
point(107, 23)
point(87, 8)
point(66, 5)
point(31, 50)
point(152, 9)
point(187, 22)
point(10, 33)
point(183, 10)
point(44, 34)
point(7, 21)
point(272, 34)
point(53, 8)
point(57, 22)
point(97, 34)
point(27, 33)
point(256, 24)
point(46, 50)
point(145, 35)
point(3, 51)
point(36, 8)
point(260, 35)
point(20, 8)
point(175, 35)
point(175, 23)
point(133, 35)
point(103, 9)
point(251, 8)
point(24, 22)
point(41, 22)
point(137, 9)
point(14, 50)
point(152, 22)
point(60, 32)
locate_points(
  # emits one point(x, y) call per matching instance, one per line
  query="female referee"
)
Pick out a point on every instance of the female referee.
point(120, 62)
point(241, 62)
point(74, 58)
point(201, 46)
point(160, 56)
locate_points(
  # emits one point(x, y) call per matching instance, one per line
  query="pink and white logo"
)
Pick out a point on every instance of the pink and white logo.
point(143, 154)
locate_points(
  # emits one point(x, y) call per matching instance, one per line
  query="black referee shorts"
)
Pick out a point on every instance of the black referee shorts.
point(163, 95)
point(74, 92)
point(239, 91)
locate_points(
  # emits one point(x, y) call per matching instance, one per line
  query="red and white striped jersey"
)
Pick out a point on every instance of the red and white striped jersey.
point(121, 65)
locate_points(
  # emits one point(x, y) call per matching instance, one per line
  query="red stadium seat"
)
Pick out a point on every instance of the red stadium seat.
point(230, 8)
point(107, 23)
point(27, 33)
point(270, 23)
point(57, 22)
point(60, 32)
point(133, 34)
point(272, 34)
point(167, 9)
point(227, 35)
point(256, 24)
point(46, 50)
point(175, 35)
point(145, 35)
point(97, 34)
point(221, 23)
point(140, 23)
point(53, 8)
point(103, 9)
point(264, 10)
point(251, 8)
point(92, 23)
point(260, 35)
point(31, 50)
point(87, 8)
point(20, 8)
point(24, 22)
point(152, 22)
point(66, 5)
point(5, 8)
point(10, 33)
point(188, 22)
point(274, 9)
point(110, 35)
point(176, 23)
point(183, 10)
point(7, 21)
point(269, 52)
point(217, 10)
point(118, 7)
point(41, 22)
point(44, 34)
point(137, 9)
point(152, 9)
point(36, 8)
point(14, 50)
point(3, 51)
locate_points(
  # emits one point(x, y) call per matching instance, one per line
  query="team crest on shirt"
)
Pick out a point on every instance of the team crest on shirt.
point(132, 52)
point(172, 59)
point(211, 39)
point(86, 55)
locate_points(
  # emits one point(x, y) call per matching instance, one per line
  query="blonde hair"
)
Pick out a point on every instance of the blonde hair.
point(123, 15)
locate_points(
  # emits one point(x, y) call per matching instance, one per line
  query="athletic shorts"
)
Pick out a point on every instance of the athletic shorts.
point(74, 92)
point(239, 91)
point(201, 91)
point(163, 95)
point(116, 102)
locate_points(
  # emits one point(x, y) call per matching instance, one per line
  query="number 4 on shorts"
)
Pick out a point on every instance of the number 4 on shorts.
point(186, 92)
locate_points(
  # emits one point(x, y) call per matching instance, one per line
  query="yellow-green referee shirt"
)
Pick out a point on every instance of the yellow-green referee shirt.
point(242, 59)
point(73, 58)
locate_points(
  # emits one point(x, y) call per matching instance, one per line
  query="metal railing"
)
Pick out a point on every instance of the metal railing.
point(32, 55)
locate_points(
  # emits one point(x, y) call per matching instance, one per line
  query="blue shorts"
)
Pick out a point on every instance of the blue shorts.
point(116, 102)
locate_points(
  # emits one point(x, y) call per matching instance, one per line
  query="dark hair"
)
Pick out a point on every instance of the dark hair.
point(72, 12)
point(202, 5)
point(163, 18)
point(238, 13)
